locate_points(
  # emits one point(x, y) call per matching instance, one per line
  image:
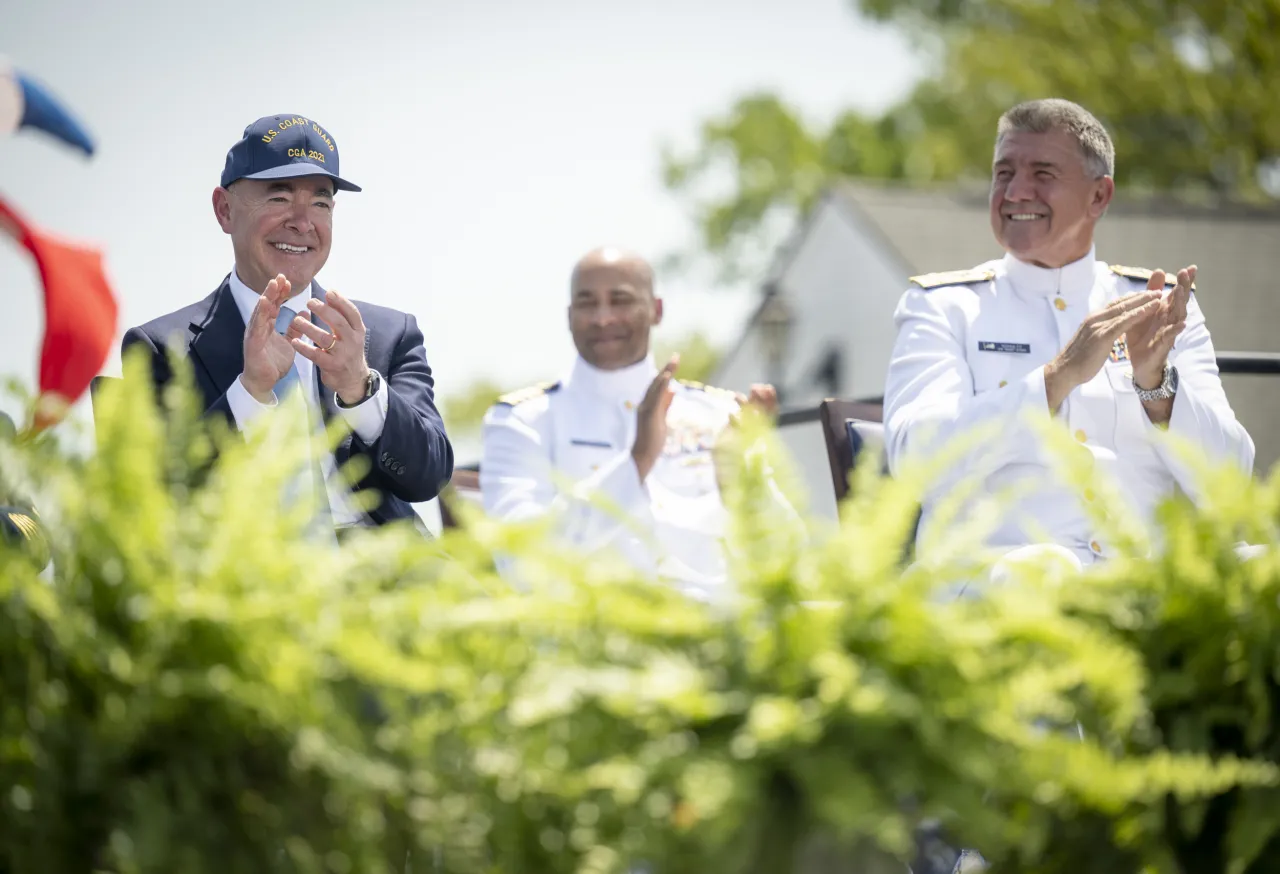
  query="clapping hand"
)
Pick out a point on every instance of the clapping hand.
point(1151, 340)
point(763, 400)
point(267, 354)
point(1088, 349)
point(338, 353)
point(651, 419)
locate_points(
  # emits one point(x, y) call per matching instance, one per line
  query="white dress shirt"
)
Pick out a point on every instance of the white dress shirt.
point(558, 447)
point(366, 419)
point(972, 354)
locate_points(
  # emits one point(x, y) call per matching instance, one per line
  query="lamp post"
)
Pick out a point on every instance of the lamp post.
point(776, 322)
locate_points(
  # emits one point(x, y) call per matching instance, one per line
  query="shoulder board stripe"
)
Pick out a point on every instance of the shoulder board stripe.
point(25, 524)
point(1142, 273)
point(33, 534)
point(520, 395)
point(953, 277)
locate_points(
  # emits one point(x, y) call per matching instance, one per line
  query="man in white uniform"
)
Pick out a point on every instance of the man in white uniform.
point(618, 431)
point(1113, 354)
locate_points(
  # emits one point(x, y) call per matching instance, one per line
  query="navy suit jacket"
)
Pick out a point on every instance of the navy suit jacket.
point(410, 462)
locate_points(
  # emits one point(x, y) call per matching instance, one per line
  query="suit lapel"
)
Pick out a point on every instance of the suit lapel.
point(217, 342)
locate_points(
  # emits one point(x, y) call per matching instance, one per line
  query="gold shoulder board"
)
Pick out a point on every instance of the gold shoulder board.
point(1143, 274)
point(520, 395)
point(953, 277)
point(25, 524)
point(33, 534)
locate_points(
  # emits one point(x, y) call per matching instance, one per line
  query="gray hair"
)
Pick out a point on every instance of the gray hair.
point(1039, 116)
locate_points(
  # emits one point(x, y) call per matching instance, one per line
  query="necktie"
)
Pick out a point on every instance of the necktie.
point(290, 379)
point(322, 525)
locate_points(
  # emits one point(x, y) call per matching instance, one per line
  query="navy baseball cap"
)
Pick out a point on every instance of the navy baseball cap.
point(282, 147)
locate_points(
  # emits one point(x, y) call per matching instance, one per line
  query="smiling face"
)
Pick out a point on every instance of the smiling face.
point(277, 226)
point(612, 309)
point(1044, 201)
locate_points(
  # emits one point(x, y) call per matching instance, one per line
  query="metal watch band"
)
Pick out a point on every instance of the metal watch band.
point(1168, 386)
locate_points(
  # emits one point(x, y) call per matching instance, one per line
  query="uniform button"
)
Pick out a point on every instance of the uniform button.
point(1081, 436)
point(629, 405)
point(1097, 549)
point(1003, 383)
point(400, 470)
point(1060, 304)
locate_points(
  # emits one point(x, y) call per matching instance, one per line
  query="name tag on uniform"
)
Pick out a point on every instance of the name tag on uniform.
point(989, 346)
point(598, 443)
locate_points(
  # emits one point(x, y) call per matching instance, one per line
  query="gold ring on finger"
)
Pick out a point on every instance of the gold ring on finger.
point(329, 348)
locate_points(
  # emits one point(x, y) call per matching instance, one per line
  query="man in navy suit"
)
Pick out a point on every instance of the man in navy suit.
point(270, 328)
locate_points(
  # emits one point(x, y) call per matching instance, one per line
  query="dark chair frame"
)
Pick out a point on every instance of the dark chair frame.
point(833, 414)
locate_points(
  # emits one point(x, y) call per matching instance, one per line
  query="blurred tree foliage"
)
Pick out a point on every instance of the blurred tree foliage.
point(463, 412)
point(1186, 88)
point(201, 688)
point(698, 357)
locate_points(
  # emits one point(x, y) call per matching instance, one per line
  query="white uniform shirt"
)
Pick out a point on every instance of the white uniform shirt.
point(553, 448)
point(366, 419)
point(974, 352)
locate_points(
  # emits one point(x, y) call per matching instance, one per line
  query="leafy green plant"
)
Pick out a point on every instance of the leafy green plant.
point(202, 687)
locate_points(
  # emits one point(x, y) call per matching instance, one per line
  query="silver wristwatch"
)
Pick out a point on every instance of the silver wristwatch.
point(1167, 388)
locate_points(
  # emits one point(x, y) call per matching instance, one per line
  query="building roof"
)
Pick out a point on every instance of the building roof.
point(1236, 246)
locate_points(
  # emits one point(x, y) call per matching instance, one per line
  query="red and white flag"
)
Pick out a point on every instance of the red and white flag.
point(80, 309)
point(80, 315)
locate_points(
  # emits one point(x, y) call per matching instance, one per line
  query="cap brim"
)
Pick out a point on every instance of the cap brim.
point(303, 168)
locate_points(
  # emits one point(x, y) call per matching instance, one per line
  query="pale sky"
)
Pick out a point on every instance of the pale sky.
point(495, 141)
